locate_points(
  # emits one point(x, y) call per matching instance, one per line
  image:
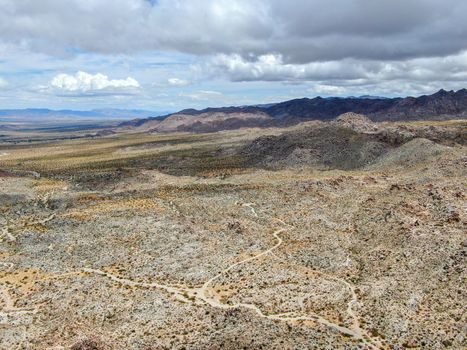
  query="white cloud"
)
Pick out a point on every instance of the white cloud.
point(175, 82)
point(3, 83)
point(327, 90)
point(272, 68)
point(347, 75)
point(203, 95)
point(83, 82)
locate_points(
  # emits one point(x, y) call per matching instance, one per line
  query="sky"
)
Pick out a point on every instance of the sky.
point(166, 55)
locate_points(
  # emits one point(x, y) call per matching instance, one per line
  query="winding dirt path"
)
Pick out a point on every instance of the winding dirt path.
point(201, 295)
point(250, 205)
point(7, 230)
point(203, 290)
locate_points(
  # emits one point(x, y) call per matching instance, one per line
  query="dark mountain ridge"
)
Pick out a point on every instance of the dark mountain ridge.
point(441, 105)
point(319, 108)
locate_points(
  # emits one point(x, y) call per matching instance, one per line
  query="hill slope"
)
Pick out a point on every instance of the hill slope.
point(352, 141)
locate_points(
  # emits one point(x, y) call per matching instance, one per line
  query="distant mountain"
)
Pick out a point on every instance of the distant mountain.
point(227, 110)
point(209, 120)
point(441, 105)
point(40, 114)
point(325, 109)
point(373, 97)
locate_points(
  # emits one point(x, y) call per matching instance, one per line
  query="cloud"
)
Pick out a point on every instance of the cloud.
point(175, 82)
point(302, 31)
point(265, 47)
point(272, 68)
point(3, 83)
point(343, 72)
point(86, 83)
point(202, 95)
point(327, 90)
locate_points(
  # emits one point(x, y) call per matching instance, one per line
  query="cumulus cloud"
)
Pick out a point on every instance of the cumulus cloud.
point(175, 82)
point(86, 83)
point(345, 72)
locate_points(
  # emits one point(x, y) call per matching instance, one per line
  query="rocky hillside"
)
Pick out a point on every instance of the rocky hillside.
point(324, 147)
point(352, 141)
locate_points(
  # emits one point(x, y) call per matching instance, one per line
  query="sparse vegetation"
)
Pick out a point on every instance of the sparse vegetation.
point(147, 241)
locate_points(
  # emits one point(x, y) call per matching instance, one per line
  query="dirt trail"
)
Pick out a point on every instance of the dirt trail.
point(201, 295)
point(8, 230)
point(9, 311)
point(250, 205)
point(203, 290)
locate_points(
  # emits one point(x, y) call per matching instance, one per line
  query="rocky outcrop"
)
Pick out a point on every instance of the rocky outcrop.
point(356, 122)
point(352, 141)
point(327, 146)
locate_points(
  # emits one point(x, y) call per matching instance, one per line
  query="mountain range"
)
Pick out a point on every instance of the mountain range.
point(438, 106)
point(40, 115)
point(441, 105)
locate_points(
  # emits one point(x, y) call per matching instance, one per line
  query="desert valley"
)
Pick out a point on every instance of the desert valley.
point(345, 234)
point(233, 175)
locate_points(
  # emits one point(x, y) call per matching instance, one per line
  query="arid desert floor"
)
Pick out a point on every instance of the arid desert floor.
point(185, 241)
